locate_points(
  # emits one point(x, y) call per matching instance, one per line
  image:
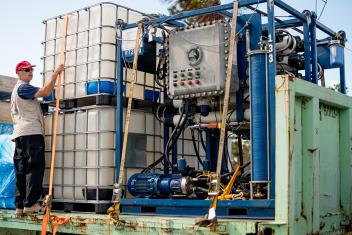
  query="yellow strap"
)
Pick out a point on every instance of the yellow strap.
point(226, 100)
point(52, 165)
point(229, 185)
point(129, 106)
point(227, 86)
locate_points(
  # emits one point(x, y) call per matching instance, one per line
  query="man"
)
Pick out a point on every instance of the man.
point(28, 135)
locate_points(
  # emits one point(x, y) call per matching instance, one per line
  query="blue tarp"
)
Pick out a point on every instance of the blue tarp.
point(7, 173)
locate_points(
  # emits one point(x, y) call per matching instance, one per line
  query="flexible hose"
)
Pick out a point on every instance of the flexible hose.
point(195, 148)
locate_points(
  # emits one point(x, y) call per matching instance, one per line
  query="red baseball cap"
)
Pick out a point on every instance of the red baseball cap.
point(23, 65)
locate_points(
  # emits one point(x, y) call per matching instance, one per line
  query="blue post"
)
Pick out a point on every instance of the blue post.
point(119, 102)
point(259, 114)
point(313, 43)
point(271, 93)
point(239, 109)
point(212, 144)
point(307, 46)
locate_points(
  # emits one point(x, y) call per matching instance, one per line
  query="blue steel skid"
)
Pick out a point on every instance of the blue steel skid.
point(313, 52)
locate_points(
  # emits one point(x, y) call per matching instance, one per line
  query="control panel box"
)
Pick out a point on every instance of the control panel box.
point(197, 61)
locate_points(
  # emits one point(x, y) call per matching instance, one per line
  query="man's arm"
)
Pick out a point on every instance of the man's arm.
point(45, 91)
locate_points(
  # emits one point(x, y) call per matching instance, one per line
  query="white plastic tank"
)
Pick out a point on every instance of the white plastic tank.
point(90, 50)
point(85, 156)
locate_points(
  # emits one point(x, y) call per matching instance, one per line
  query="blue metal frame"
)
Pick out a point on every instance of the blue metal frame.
point(212, 144)
point(271, 94)
point(119, 102)
point(309, 23)
point(259, 209)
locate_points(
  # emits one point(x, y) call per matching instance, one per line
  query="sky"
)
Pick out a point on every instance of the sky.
point(22, 30)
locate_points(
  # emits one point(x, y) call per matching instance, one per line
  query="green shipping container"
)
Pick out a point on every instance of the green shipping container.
point(313, 176)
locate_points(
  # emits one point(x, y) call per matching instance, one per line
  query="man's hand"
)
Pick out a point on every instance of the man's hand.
point(59, 69)
point(45, 91)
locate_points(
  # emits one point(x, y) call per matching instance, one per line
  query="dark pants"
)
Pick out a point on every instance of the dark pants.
point(29, 161)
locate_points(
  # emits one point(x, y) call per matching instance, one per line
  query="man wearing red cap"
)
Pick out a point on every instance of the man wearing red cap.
point(28, 134)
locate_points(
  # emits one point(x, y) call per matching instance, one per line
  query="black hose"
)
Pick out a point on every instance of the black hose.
point(202, 141)
point(203, 190)
point(173, 142)
point(231, 173)
point(167, 150)
point(195, 148)
point(152, 165)
point(228, 156)
point(161, 68)
point(240, 151)
point(238, 104)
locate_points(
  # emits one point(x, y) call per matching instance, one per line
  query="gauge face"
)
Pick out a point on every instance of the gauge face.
point(194, 56)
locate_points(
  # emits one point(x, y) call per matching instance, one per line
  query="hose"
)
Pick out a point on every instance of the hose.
point(179, 128)
point(195, 148)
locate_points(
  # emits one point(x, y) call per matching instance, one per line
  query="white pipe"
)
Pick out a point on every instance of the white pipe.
point(214, 117)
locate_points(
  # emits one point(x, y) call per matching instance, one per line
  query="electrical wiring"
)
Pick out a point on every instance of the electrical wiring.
point(173, 140)
point(321, 13)
point(195, 148)
point(202, 140)
point(230, 113)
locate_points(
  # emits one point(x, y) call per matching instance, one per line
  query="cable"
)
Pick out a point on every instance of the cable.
point(195, 148)
point(325, 2)
point(202, 141)
point(166, 150)
point(174, 141)
point(228, 155)
point(148, 168)
point(238, 104)
point(123, 57)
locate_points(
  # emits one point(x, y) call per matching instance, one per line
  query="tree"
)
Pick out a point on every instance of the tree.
point(187, 5)
point(336, 87)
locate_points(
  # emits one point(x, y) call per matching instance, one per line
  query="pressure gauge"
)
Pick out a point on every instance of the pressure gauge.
point(194, 56)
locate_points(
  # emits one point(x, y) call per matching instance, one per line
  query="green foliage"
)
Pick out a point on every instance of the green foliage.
point(336, 87)
point(178, 6)
point(186, 5)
